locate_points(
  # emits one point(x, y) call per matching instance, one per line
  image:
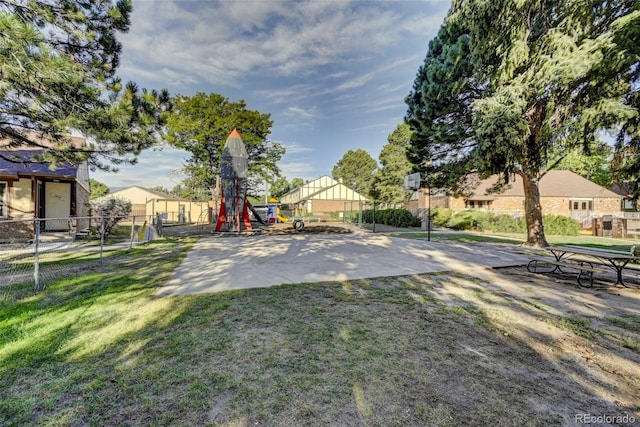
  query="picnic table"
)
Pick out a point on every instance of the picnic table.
point(615, 260)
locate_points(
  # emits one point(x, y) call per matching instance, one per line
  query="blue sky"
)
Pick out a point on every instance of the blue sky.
point(332, 74)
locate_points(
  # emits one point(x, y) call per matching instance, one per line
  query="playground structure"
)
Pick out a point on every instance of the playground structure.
point(271, 211)
point(234, 171)
point(234, 206)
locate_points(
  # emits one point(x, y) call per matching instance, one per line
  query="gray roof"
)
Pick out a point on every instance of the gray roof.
point(556, 183)
point(19, 163)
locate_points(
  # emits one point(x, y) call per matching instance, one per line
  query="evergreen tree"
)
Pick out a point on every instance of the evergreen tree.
point(58, 76)
point(356, 169)
point(552, 75)
point(98, 189)
point(388, 181)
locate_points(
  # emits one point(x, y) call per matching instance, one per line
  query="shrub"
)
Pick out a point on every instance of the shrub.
point(507, 224)
point(112, 209)
point(469, 220)
point(440, 216)
point(393, 217)
point(560, 225)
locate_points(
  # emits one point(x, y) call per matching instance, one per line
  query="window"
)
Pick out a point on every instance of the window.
point(581, 205)
point(3, 200)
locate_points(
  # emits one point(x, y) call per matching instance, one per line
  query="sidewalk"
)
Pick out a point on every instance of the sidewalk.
point(221, 264)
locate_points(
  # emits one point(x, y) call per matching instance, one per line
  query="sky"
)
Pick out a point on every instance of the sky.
point(332, 74)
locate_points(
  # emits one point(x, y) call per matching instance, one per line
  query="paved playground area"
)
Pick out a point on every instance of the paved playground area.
point(225, 263)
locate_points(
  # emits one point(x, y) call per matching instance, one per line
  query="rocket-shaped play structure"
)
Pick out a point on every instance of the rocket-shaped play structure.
point(234, 171)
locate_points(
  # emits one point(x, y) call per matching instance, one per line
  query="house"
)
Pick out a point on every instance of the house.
point(562, 192)
point(32, 189)
point(173, 209)
point(322, 196)
point(629, 202)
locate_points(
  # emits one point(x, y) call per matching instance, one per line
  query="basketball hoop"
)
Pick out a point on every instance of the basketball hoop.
point(412, 182)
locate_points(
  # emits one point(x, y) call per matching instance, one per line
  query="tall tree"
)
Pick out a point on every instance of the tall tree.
point(296, 182)
point(388, 180)
point(98, 189)
point(281, 186)
point(201, 124)
point(553, 74)
point(595, 167)
point(356, 169)
point(58, 63)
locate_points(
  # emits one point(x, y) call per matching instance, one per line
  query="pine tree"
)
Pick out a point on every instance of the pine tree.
point(533, 81)
point(388, 180)
point(58, 65)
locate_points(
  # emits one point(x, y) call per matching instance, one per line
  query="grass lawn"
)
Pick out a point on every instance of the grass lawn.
point(622, 245)
point(445, 349)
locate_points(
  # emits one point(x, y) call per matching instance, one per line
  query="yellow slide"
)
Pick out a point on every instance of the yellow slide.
point(280, 217)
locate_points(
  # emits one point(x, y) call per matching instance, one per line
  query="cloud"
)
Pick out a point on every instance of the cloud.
point(295, 148)
point(301, 169)
point(302, 113)
point(221, 42)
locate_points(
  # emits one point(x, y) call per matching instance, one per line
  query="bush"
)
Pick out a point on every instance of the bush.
point(560, 225)
point(507, 224)
point(469, 220)
point(440, 216)
point(112, 209)
point(480, 220)
point(394, 217)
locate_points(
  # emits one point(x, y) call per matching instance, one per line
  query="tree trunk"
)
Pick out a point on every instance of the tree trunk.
point(533, 213)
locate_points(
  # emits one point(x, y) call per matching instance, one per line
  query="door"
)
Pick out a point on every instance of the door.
point(57, 204)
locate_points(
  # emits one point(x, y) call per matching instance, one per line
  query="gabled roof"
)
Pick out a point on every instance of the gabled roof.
point(157, 194)
point(23, 166)
point(324, 188)
point(556, 183)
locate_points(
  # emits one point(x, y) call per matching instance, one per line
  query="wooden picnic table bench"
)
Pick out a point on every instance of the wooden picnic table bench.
point(583, 259)
point(584, 269)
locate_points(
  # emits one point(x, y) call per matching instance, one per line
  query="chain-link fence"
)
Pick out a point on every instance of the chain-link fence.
point(384, 217)
point(37, 251)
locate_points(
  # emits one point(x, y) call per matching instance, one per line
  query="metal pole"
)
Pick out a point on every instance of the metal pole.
point(133, 226)
point(101, 238)
point(374, 216)
point(429, 215)
point(360, 214)
point(36, 258)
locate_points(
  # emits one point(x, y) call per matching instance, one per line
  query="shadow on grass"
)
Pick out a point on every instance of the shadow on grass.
point(438, 349)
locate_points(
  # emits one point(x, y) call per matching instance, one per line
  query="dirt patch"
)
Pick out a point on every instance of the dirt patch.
point(285, 228)
point(589, 336)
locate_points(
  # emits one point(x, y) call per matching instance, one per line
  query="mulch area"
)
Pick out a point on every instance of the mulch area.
point(285, 228)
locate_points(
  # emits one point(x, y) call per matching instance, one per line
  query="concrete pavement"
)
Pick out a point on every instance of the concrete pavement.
point(226, 263)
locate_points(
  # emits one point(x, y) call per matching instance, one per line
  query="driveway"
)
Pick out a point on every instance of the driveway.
point(219, 264)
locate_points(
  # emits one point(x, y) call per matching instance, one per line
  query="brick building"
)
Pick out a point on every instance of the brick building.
point(321, 196)
point(562, 192)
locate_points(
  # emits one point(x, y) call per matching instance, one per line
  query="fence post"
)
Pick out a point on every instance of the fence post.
point(133, 226)
point(36, 258)
point(159, 224)
point(360, 225)
point(344, 212)
point(101, 238)
point(373, 215)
